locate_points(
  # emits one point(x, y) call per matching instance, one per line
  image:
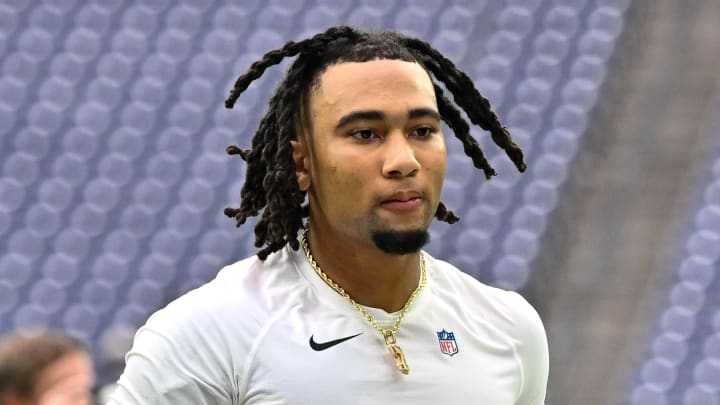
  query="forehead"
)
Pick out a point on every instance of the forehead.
point(374, 84)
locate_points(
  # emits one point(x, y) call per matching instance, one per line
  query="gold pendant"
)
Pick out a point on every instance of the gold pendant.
point(399, 356)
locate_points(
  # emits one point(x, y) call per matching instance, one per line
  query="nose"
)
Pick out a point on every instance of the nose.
point(399, 157)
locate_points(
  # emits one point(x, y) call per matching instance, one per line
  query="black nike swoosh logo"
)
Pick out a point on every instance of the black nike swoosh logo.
point(326, 345)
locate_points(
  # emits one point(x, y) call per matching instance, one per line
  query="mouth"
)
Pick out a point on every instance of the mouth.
point(403, 201)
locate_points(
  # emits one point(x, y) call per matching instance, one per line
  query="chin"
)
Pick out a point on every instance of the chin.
point(400, 242)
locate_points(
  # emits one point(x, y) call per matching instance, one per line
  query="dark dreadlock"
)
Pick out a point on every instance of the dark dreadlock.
point(271, 182)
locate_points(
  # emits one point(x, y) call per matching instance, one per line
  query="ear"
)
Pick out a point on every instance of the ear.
point(302, 163)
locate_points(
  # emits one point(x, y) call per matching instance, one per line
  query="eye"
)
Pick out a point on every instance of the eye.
point(363, 134)
point(424, 132)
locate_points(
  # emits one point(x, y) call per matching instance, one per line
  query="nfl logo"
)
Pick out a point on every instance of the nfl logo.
point(448, 345)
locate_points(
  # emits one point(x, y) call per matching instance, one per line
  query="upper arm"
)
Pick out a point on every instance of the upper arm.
point(533, 354)
point(178, 357)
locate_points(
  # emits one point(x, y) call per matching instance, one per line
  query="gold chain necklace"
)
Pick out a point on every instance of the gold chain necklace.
point(389, 335)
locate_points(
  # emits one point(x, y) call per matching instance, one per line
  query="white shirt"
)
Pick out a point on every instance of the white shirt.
point(244, 338)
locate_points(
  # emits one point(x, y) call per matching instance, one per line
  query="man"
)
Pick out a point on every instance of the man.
point(346, 308)
point(44, 370)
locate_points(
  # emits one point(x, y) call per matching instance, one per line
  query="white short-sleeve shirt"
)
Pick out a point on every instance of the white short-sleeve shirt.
point(272, 332)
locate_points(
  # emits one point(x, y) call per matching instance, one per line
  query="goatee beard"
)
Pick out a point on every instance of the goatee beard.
point(400, 242)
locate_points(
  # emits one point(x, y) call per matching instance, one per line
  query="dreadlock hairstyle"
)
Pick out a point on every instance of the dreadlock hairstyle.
point(271, 182)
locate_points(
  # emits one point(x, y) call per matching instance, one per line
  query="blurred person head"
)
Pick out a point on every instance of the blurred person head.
point(45, 370)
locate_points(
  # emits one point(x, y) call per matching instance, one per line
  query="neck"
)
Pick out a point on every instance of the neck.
point(370, 276)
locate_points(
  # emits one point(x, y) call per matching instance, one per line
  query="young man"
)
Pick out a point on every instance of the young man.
point(44, 370)
point(346, 308)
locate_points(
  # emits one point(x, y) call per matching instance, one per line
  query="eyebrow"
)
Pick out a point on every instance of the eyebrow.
point(379, 115)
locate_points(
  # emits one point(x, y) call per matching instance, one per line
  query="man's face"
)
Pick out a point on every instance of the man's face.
point(374, 159)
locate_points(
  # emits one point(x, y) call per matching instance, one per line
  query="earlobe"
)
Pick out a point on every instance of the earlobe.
point(302, 164)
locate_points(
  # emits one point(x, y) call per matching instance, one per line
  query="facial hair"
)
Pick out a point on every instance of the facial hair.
point(400, 242)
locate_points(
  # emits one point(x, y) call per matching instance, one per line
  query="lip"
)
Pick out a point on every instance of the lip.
point(403, 200)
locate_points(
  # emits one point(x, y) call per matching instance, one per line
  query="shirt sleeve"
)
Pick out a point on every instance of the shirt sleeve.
point(532, 350)
point(176, 360)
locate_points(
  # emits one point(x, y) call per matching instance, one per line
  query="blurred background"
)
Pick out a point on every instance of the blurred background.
point(113, 174)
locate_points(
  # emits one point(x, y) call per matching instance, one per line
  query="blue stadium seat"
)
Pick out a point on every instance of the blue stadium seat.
point(530, 218)
point(701, 395)
point(138, 220)
point(590, 68)
point(541, 194)
point(210, 169)
point(580, 92)
point(705, 243)
point(93, 18)
point(648, 394)
point(659, 373)
point(138, 116)
point(54, 192)
point(688, 295)
point(101, 195)
point(551, 45)
point(597, 43)
point(711, 347)
point(543, 67)
point(81, 320)
point(36, 44)
point(98, 294)
point(152, 195)
point(19, 68)
point(72, 243)
point(44, 117)
point(712, 193)
point(678, 321)
point(670, 349)
point(88, 220)
point(562, 20)
point(61, 269)
point(458, 20)
point(708, 218)
point(413, 21)
point(160, 269)
point(122, 244)
point(606, 19)
point(476, 240)
point(149, 91)
point(48, 295)
point(22, 168)
point(511, 272)
point(41, 220)
point(59, 93)
point(15, 269)
point(26, 245)
point(521, 243)
point(707, 373)
point(140, 19)
point(551, 167)
point(505, 45)
point(146, 295)
point(8, 297)
point(110, 269)
point(68, 67)
point(168, 244)
point(30, 316)
point(570, 117)
point(698, 270)
point(451, 44)
point(173, 44)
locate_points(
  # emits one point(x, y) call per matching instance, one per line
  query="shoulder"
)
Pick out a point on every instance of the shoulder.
point(507, 311)
point(197, 347)
point(241, 297)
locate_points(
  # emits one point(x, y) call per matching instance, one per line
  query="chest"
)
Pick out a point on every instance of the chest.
point(341, 359)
